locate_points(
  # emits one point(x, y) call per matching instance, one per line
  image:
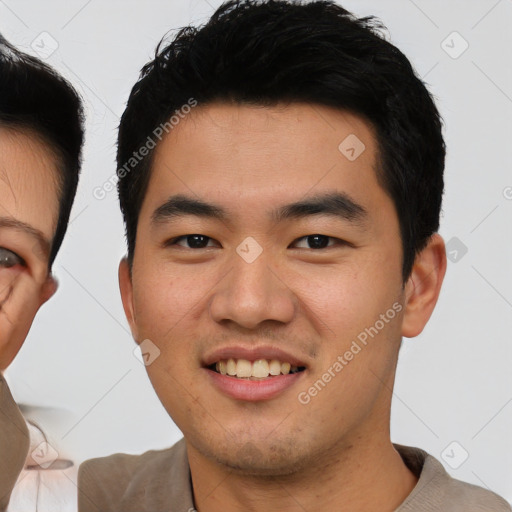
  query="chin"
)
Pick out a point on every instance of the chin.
point(266, 458)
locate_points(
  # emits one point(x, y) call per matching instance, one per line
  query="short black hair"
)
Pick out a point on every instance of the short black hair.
point(34, 97)
point(278, 51)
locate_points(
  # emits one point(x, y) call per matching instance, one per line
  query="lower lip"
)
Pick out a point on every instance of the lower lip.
point(253, 390)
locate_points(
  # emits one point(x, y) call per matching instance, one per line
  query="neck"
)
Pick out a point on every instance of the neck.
point(367, 475)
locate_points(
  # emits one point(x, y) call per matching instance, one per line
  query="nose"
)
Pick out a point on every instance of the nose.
point(253, 293)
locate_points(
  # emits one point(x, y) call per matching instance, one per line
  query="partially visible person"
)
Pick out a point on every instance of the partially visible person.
point(41, 137)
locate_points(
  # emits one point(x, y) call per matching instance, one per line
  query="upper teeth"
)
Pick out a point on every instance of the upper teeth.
point(260, 368)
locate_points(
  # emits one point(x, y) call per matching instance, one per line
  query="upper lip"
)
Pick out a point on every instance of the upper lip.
point(251, 354)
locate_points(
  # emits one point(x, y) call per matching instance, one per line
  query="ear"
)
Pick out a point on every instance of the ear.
point(126, 288)
point(423, 286)
point(48, 289)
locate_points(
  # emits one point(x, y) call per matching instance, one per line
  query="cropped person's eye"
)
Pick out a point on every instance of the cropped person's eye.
point(9, 259)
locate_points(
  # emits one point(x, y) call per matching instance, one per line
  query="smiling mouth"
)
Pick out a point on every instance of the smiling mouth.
point(254, 370)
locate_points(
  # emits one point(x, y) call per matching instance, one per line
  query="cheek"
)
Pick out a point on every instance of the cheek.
point(164, 302)
point(16, 317)
point(164, 310)
point(359, 313)
point(348, 301)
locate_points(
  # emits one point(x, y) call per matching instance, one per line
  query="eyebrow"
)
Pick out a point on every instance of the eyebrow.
point(335, 204)
point(41, 240)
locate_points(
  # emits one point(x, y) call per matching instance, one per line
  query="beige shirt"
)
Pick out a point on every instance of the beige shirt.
point(159, 481)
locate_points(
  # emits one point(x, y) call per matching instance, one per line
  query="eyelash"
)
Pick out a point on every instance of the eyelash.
point(173, 241)
point(5, 254)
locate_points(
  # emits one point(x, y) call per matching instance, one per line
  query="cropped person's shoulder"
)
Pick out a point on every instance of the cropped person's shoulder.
point(14, 443)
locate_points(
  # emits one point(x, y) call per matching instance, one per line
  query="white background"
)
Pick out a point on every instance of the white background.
point(454, 381)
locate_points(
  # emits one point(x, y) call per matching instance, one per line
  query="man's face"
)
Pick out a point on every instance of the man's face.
point(28, 217)
point(257, 285)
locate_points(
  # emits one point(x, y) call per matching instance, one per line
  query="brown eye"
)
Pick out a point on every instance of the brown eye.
point(193, 241)
point(316, 241)
point(9, 259)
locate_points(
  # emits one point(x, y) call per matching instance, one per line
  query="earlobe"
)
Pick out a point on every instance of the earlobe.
point(126, 288)
point(424, 286)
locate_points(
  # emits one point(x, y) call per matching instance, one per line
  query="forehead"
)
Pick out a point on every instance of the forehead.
point(255, 157)
point(28, 181)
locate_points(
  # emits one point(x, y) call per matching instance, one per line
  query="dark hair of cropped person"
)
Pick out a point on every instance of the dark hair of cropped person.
point(277, 52)
point(35, 98)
